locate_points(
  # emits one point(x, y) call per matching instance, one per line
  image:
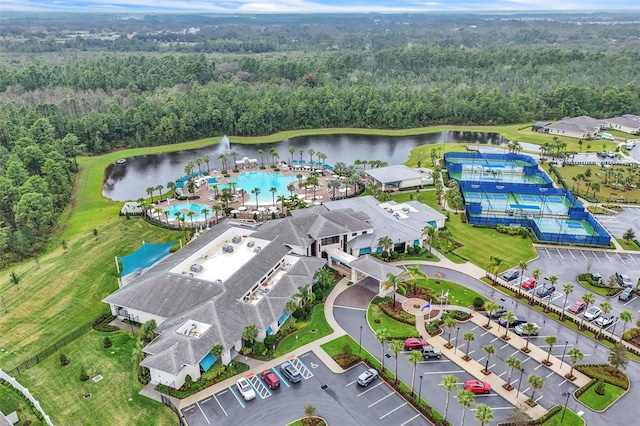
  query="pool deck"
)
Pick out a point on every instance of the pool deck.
point(247, 207)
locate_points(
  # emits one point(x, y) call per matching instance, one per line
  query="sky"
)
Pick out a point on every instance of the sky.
point(312, 6)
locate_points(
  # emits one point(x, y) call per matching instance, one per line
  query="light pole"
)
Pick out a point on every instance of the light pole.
point(360, 341)
point(456, 347)
point(420, 391)
point(566, 342)
point(565, 406)
point(520, 382)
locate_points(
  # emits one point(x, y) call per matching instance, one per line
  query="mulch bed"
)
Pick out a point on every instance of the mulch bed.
point(314, 421)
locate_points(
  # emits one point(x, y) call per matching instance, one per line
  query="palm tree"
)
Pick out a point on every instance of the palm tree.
point(223, 160)
point(465, 399)
point(414, 358)
point(157, 211)
point(429, 231)
point(606, 308)
point(509, 318)
point(205, 212)
point(292, 150)
point(529, 328)
point(550, 340)
point(250, 333)
point(274, 154)
point(310, 411)
point(450, 382)
point(159, 188)
point(415, 273)
point(206, 159)
point(261, 154)
point(217, 208)
point(567, 289)
point(333, 185)
point(483, 414)
point(304, 295)
point(301, 151)
point(171, 186)
point(536, 274)
point(382, 335)
point(166, 216)
point(257, 192)
point(450, 323)
point(396, 346)
point(311, 152)
point(273, 191)
point(536, 383)
point(625, 317)
point(386, 244)
point(191, 214)
point(198, 161)
point(493, 266)
point(150, 192)
point(468, 337)
point(393, 281)
point(522, 265)
point(490, 307)
point(575, 355)
point(242, 193)
point(588, 299)
point(489, 350)
point(514, 364)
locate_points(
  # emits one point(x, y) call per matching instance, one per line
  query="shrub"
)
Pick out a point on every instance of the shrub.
point(64, 360)
point(434, 327)
point(84, 376)
point(384, 255)
point(269, 341)
point(395, 255)
point(260, 348)
point(599, 389)
point(478, 302)
point(606, 373)
point(346, 349)
point(631, 333)
point(458, 315)
point(102, 323)
point(107, 342)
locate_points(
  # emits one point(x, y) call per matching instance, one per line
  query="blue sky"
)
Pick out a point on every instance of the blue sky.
point(307, 6)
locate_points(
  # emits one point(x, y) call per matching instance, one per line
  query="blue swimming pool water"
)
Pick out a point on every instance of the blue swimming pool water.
point(186, 207)
point(264, 181)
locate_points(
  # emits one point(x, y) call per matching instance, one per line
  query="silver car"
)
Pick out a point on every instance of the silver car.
point(367, 377)
point(592, 313)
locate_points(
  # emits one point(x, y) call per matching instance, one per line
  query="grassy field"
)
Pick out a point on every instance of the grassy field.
point(599, 402)
point(61, 393)
point(606, 193)
point(569, 419)
point(628, 245)
point(396, 329)
point(318, 323)
point(458, 294)
point(11, 401)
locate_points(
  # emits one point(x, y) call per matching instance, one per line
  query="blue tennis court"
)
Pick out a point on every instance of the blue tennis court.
point(555, 200)
point(526, 197)
point(574, 225)
point(523, 207)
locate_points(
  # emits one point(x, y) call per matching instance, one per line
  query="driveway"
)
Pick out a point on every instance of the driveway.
point(356, 297)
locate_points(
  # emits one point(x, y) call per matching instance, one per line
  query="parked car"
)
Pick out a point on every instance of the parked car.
point(367, 377)
point(511, 275)
point(626, 294)
point(431, 352)
point(496, 314)
point(270, 379)
point(477, 386)
point(610, 154)
point(529, 283)
point(545, 291)
point(290, 372)
point(414, 343)
point(596, 278)
point(577, 307)
point(605, 320)
point(520, 331)
point(245, 389)
point(623, 280)
point(513, 323)
point(601, 154)
point(592, 313)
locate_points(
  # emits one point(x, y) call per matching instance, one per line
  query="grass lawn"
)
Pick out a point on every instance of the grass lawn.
point(458, 294)
point(114, 397)
point(479, 244)
point(599, 402)
point(607, 192)
point(628, 245)
point(318, 323)
point(594, 288)
point(396, 329)
point(11, 400)
point(569, 419)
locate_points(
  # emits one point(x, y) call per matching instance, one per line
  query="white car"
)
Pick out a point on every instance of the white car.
point(245, 389)
point(592, 313)
point(519, 329)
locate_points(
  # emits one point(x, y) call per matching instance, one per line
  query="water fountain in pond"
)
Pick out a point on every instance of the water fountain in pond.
point(225, 146)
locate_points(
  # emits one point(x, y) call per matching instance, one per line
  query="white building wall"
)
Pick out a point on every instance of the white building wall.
point(568, 133)
point(142, 317)
point(411, 183)
point(178, 380)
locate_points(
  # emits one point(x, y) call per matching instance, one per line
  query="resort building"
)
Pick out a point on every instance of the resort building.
point(398, 177)
point(582, 127)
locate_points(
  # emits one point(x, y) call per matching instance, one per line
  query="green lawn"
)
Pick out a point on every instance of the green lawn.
point(597, 402)
point(396, 329)
point(606, 193)
point(11, 400)
point(305, 334)
point(458, 294)
point(61, 393)
point(628, 245)
point(594, 288)
point(569, 419)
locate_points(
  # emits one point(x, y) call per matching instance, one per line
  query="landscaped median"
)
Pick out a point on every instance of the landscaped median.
point(607, 385)
point(347, 353)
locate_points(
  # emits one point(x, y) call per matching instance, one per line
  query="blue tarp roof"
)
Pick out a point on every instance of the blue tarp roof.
point(145, 256)
point(208, 361)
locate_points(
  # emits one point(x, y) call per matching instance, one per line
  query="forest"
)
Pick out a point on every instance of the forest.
point(163, 79)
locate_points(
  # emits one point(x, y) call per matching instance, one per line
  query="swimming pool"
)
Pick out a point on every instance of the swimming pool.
point(189, 207)
point(263, 181)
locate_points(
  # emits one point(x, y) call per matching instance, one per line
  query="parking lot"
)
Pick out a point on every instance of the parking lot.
point(336, 397)
point(618, 224)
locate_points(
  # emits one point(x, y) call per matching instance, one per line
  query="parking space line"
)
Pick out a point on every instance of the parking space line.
point(596, 256)
point(538, 366)
point(203, 414)
point(632, 258)
point(631, 300)
point(306, 373)
point(477, 326)
point(350, 383)
point(491, 366)
point(485, 333)
point(472, 352)
point(480, 360)
point(525, 391)
point(558, 250)
point(548, 254)
point(393, 411)
point(571, 253)
point(282, 380)
point(514, 382)
point(585, 256)
point(221, 407)
point(237, 397)
point(550, 374)
point(515, 352)
point(412, 418)
point(371, 388)
point(621, 259)
point(538, 399)
point(381, 399)
point(260, 388)
point(504, 346)
point(495, 339)
point(525, 360)
point(502, 374)
point(563, 382)
point(607, 256)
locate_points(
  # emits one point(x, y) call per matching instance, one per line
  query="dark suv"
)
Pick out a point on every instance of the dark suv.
point(626, 294)
point(544, 291)
point(623, 280)
point(514, 323)
point(290, 372)
point(511, 275)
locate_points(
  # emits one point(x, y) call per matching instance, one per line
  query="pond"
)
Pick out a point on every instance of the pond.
point(129, 181)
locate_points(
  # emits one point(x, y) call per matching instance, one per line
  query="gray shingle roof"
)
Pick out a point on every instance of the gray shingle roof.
point(393, 173)
point(625, 121)
point(375, 268)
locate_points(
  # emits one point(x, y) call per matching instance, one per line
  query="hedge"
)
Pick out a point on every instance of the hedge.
point(102, 323)
point(540, 420)
point(605, 372)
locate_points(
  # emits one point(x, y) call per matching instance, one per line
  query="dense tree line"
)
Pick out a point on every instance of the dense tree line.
point(36, 182)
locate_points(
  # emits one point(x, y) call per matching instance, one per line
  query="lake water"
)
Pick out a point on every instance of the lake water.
point(129, 181)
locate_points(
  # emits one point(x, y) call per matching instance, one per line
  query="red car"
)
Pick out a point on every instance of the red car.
point(577, 307)
point(477, 386)
point(414, 343)
point(529, 283)
point(270, 379)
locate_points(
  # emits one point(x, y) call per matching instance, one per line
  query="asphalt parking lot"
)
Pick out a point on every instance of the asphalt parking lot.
point(337, 397)
point(618, 224)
